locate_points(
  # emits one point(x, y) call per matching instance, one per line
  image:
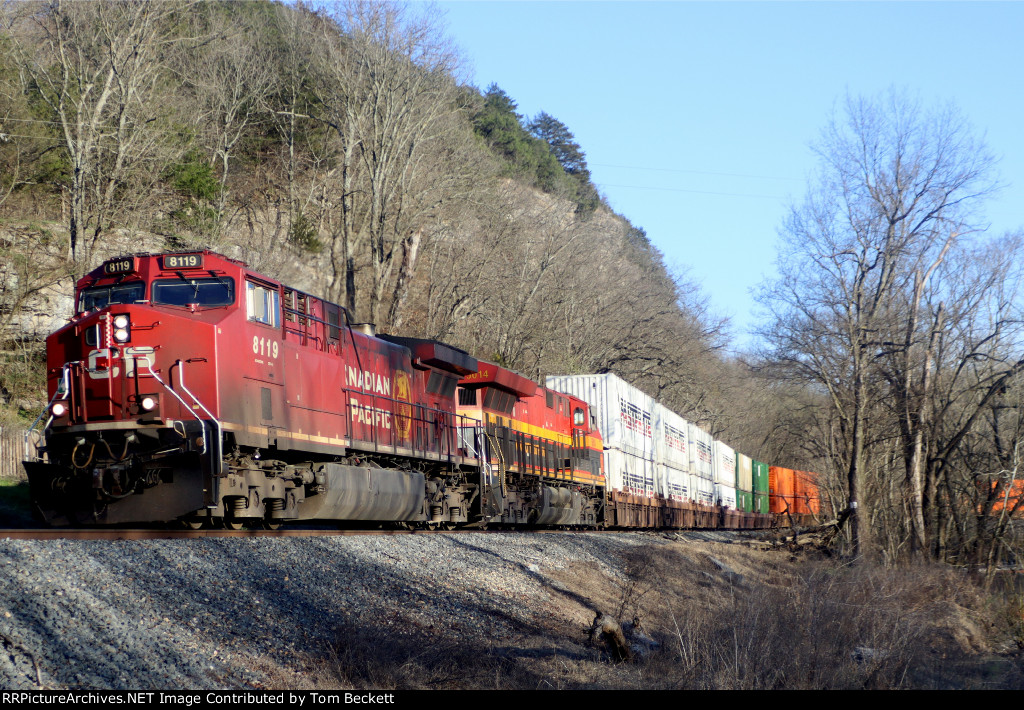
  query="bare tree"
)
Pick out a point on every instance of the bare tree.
point(303, 149)
point(228, 71)
point(30, 265)
point(897, 189)
point(388, 91)
point(19, 133)
point(97, 67)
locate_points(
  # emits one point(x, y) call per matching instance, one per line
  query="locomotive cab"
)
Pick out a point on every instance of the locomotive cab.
point(189, 387)
point(129, 380)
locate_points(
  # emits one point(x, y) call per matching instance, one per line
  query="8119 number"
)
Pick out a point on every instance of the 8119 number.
point(264, 346)
point(184, 261)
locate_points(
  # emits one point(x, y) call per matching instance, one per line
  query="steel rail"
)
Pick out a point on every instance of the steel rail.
point(143, 534)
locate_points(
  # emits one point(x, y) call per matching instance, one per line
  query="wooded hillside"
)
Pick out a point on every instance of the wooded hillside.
point(339, 151)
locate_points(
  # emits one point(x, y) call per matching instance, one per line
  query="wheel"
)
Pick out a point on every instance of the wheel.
point(191, 523)
point(233, 523)
point(271, 524)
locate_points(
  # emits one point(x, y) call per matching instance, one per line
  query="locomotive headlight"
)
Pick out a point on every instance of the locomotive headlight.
point(148, 403)
point(59, 409)
point(122, 328)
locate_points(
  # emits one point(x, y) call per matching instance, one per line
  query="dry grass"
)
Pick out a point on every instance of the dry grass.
point(15, 503)
point(722, 617)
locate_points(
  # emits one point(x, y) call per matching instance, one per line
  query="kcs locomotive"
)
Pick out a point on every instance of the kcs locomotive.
point(188, 387)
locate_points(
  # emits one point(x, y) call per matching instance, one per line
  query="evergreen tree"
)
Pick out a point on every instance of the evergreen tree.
point(562, 144)
point(529, 158)
point(500, 125)
point(497, 99)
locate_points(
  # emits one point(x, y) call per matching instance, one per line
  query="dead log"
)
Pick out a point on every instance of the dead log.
point(608, 630)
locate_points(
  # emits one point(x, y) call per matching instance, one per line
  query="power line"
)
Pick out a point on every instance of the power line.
point(695, 192)
point(696, 172)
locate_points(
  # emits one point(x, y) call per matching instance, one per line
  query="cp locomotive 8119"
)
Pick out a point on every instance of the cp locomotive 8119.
point(189, 387)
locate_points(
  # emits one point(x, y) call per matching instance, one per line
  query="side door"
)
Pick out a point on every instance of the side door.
point(262, 368)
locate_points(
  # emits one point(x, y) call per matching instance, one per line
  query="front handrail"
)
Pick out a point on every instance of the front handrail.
point(220, 429)
point(63, 389)
point(185, 405)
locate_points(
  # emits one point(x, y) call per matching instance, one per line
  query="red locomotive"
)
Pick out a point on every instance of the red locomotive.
point(536, 434)
point(189, 387)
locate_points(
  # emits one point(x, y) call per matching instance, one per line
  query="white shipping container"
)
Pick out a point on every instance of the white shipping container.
point(678, 484)
point(744, 473)
point(725, 496)
point(630, 474)
point(705, 489)
point(702, 452)
point(671, 439)
point(725, 464)
point(625, 415)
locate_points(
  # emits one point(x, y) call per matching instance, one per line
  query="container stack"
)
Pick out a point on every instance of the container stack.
point(702, 463)
point(663, 470)
point(744, 483)
point(672, 454)
point(625, 416)
point(725, 475)
point(760, 471)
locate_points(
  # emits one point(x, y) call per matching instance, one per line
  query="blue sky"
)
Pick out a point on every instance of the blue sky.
point(697, 117)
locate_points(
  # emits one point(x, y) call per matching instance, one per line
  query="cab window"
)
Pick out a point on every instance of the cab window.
point(333, 321)
point(206, 292)
point(102, 296)
point(263, 303)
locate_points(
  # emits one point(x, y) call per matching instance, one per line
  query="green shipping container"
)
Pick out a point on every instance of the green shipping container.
point(760, 477)
point(745, 501)
point(744, 483)
point(761, 503)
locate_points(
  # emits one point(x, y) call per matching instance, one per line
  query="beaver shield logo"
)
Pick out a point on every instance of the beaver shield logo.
point(403, 404)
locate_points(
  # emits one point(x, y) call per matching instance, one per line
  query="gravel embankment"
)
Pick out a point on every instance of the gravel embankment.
point(200, 613)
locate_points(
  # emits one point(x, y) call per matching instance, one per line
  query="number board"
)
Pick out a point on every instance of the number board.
point(183, 261)
point(124, 265)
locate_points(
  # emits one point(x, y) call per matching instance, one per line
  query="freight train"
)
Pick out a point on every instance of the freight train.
point(188, 387)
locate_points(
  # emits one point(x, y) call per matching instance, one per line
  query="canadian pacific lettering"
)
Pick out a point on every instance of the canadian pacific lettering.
point(368, 381)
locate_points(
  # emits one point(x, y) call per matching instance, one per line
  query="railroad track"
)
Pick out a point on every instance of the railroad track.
point(175, 534)
point(141, 534)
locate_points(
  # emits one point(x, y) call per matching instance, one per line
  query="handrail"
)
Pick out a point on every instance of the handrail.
point(66, 387)
point(421, 414)
point(152, 373)
point(220, 429)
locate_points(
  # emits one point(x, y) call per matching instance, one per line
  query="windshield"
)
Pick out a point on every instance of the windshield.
point(202, 292)
point(102, 296)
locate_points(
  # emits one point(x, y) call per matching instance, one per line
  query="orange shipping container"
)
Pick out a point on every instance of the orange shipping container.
point(780, 490)
point(805, 490)
point(1012, 499)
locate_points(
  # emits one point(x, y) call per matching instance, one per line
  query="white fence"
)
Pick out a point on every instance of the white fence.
point(12, 452)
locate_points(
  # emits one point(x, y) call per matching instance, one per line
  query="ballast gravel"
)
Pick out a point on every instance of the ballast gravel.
point(158, 614)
